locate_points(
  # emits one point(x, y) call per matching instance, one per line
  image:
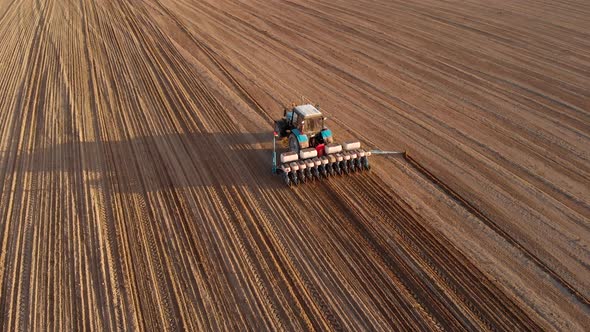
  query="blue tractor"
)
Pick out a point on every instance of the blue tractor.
point(312, 152)
point(305, 127)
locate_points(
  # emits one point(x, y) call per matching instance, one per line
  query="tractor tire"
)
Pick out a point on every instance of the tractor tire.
point(293, 144)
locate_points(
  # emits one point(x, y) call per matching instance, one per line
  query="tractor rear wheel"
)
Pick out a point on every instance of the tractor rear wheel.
point(293, 143)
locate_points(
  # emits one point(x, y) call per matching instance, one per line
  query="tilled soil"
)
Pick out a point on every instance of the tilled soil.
point(135, 165)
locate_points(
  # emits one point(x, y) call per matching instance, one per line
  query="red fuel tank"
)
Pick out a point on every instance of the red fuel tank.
point(320, 149)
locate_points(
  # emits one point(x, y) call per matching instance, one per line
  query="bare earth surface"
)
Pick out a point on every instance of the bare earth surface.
point(135, 185)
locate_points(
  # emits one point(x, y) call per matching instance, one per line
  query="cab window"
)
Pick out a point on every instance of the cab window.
point(313, 125)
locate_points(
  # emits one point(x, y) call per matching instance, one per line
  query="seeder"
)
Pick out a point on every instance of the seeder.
point(312, 152)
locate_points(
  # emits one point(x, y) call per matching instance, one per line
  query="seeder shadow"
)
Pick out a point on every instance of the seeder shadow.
point(160, 162)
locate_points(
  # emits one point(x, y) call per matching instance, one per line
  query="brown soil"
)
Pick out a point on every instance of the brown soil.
point(135, 183)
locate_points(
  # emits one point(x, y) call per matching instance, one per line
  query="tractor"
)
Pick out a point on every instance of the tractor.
point(304, 125)
point(312, 152)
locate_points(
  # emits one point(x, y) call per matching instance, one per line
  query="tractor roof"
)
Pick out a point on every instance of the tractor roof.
point(307, 110)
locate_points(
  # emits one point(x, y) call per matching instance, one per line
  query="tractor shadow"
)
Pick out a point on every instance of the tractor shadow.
point(158, 162)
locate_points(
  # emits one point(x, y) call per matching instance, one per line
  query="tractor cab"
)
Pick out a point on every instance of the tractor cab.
point(304, 125)
point(307, 119)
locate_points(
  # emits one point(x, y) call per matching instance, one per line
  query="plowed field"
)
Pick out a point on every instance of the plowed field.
point(135, 150)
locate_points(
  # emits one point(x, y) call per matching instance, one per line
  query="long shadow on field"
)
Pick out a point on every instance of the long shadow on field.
point(160, 162)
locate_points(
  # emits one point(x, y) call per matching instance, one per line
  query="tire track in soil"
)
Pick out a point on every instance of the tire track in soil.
point(251, 100)
point(542, 268)
point(133, 200)
point(490, 223)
